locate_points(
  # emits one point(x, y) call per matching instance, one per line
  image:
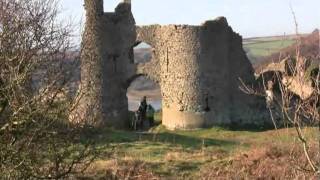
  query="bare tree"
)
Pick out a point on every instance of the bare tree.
point(36, 140)
point(296, 98)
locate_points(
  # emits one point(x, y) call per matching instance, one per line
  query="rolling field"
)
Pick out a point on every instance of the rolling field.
point(266, 48)
point(257, 48)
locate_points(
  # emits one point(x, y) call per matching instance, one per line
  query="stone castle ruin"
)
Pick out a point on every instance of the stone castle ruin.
point(197, 67)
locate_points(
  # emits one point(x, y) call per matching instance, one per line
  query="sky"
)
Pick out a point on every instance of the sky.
point(250, 18)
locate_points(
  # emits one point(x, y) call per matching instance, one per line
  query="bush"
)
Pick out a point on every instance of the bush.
point(36, 140)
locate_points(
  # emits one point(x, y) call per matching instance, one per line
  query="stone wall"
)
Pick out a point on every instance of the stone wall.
point(106, 46)
point(89, 101)
point(176, 55)
point(118, 35)
point(197, 67)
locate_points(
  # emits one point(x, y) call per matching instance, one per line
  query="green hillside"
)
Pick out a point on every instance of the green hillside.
point(261, 47)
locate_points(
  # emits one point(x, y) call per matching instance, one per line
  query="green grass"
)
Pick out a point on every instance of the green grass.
point(262, 48)
point(182, 153)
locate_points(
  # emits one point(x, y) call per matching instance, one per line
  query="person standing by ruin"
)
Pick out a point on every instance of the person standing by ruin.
point(150, 115)
point(270, 95)
point(143, 110)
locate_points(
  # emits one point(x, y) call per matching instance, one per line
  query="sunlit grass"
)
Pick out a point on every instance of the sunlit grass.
point(267, 48)
point(183, 153)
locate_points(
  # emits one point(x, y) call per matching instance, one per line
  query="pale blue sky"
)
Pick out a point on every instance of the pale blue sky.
point(248, 17)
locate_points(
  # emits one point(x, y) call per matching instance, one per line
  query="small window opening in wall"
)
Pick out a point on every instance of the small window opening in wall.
point(207, 107)
point(142, 53)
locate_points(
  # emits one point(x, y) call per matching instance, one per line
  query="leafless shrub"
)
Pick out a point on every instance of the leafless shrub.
point(36, 140)
point(296, 100)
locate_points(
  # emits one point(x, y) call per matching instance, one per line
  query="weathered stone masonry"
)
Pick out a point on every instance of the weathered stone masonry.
point(197, 67)
point(89, 105)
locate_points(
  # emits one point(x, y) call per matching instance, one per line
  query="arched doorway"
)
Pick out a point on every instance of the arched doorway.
point(140, 85)
point(142, 52)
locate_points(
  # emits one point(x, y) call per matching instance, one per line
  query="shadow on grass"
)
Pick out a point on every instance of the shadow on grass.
point(191, 142)
point(120, 137)
point(249, 128)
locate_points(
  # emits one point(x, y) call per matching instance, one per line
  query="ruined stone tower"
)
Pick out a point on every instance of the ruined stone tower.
point(197, 67)
point(106, 45)
point(89, 104)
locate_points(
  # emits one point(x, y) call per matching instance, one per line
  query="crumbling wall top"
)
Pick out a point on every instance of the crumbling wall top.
point(218, 22)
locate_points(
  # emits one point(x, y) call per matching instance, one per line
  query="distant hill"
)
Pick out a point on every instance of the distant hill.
point(310, 47)
point(259, 47)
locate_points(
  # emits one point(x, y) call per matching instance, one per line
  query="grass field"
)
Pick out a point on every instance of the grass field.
point(266, 48)
point(261, 47)
point(201, 154)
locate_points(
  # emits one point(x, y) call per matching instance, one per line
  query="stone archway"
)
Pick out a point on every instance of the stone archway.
point(143, 77)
